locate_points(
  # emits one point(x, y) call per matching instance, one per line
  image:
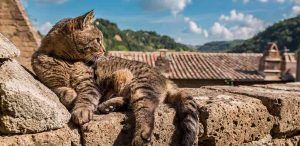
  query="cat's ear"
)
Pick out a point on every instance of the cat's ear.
point(79, 23)
point(87, 19)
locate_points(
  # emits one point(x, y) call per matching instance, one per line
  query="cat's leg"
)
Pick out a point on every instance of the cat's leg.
point(144, 103)
point(67, 96)
point(112, 104)
point(88, 94)
point(85, 105)
point(54, 74)
point(188, 113)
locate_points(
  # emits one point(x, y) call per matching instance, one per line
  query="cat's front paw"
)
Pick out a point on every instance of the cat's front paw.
point(82, 115)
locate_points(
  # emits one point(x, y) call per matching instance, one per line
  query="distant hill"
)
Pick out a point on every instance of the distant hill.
point(284, 33)
point(129, 40)
point(219, 46)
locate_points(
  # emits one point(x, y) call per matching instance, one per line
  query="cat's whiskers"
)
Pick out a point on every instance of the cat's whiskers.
point(89, 58)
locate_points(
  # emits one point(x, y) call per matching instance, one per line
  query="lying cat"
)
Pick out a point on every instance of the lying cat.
point(74, 42)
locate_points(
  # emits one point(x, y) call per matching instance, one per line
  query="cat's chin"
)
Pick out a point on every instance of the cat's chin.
point(97, 59)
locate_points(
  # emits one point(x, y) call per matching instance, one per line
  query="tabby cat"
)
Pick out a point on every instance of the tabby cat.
point(122, 82)
point(60, 63)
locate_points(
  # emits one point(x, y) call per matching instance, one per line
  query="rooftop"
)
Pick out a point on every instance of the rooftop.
point(195, 65)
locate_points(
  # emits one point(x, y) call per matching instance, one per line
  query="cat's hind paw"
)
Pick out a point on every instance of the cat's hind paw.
point(111, 105)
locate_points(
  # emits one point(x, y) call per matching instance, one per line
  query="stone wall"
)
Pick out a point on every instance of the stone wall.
point(16, 26)
point(30, 114)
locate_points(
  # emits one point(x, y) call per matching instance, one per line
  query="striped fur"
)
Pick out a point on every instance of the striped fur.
point(144, 88)
point(60, 63)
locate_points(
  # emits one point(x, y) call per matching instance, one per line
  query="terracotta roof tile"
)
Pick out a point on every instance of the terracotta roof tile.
point(195, 65)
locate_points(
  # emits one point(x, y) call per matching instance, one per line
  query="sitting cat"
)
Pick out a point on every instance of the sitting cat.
point(60, 63)
point(71, 43)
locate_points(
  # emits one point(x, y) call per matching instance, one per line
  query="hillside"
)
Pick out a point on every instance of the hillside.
point(284, 33)
point(128, 40)
point(219, 46)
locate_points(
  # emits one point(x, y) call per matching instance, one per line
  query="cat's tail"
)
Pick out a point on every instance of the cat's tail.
point(187, 111)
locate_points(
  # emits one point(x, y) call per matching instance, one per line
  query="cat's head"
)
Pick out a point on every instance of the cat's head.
point(74, 39)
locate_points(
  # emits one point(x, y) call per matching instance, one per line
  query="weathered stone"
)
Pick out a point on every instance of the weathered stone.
point(266, 141)
point(7, 49)
point(67, 136)
point(231, 119)
point(284, 105)
point(117, 129)
point(293, 141)
point(285, 87)
point(225, 119)
point(26, 105)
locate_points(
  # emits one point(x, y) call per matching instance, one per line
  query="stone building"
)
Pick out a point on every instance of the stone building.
point(16, 26)
point(276, 66)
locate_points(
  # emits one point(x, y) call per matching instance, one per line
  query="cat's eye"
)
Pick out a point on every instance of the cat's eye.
point(98, 40)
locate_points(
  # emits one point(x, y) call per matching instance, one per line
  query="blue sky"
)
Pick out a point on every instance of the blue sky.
point(188, 21)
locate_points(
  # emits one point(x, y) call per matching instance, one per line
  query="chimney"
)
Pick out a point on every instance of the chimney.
point(298, 66)
point(270, 63)
point(162, 62)
point(288, 66)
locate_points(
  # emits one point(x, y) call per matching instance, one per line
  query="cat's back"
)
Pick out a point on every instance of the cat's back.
point(136, 69)
point(116, 63)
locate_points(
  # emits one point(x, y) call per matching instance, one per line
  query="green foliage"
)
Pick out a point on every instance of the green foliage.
point(219, 46)
point(284, 33)
point(128, 40)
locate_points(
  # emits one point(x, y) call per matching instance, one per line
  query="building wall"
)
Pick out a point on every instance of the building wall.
point(191, 83)
point(15, 25)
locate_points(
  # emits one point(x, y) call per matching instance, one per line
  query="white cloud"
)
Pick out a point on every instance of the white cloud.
point(237, 26)
point(296, 10)
point(244, 19)
point(51, 1)
point(220, 30)
point(44, 28)
point(174, 6)
point(194, 28)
